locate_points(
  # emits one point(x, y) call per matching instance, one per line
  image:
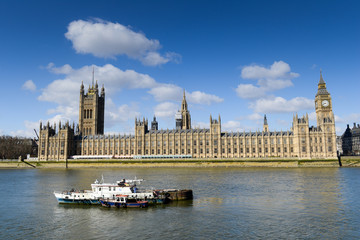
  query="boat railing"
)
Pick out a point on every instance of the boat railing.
point(72, 191)
point(142, 190)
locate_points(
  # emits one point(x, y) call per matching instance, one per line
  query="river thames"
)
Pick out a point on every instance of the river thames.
point(229, 203)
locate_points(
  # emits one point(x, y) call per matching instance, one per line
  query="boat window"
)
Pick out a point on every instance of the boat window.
point(99, 188)
point(109, 188)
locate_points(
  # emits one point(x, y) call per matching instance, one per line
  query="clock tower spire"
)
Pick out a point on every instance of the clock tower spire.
point(323, 104)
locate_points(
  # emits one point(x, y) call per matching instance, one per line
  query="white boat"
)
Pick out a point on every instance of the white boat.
point(109, 191)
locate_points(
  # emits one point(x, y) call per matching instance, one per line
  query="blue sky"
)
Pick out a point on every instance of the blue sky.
point(239, 59)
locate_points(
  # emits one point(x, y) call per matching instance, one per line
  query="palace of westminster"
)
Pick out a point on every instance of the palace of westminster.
point(87, 139)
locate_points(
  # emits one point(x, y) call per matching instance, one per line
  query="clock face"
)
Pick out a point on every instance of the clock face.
point(325, 103)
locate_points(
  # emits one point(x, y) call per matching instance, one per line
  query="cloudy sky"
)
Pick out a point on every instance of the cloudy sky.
point(239, 59)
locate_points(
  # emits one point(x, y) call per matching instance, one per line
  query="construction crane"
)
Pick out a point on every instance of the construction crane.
point(36, 134)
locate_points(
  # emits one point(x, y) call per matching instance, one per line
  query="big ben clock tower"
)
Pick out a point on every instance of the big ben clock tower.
point(323, 105)
point(325, 133)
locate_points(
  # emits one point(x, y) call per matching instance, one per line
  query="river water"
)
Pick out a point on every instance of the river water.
point(229, 203)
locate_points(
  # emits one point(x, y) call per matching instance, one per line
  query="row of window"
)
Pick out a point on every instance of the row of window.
point(201, 151)
point(53, 144)
point(88, 131)
point(177, 142)
point(52, 152)
point(88, 113)
point(187, 151)
point(303, 149)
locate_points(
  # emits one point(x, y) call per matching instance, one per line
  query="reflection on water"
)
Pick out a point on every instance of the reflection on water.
point(228, 203)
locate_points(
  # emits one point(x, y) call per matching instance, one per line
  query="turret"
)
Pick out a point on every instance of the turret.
point(265, 126)
point(102, 91)
point(154, 124)
point(82, 88)
point(185, 114)
point(215, 125)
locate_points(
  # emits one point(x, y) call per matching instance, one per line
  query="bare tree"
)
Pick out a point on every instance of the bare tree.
point(13, 147)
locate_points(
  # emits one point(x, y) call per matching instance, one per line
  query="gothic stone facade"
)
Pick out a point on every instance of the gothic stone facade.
point(350, 140)
point(87, 139)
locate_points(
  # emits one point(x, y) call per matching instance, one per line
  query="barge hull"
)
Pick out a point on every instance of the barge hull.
point(78, 201)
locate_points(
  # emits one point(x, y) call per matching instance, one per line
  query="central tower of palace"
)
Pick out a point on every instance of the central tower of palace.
point(91, 110)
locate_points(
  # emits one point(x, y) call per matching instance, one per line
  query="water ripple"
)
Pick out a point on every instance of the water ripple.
point(229, 204)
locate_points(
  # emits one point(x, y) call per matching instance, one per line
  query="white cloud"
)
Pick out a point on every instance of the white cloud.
point(58, 118)
point(30, 126)
point(341, 122)
point(66, 69)
point(29, 85)
point(339, 119)
point(166, 110)
point(277, 76)
point(66, 112)
point(153, 59)
point(61, 91)
point(121, 117)
point(172, 92)
point(249, 91)
point(284, 123)
point(166, 92)
point(255, 117)
point(22, 133)
point(277, 70)
point(339, 130)
point(234, 126)
point(353, 117)
point(312, 116)
point(274, 84)
point(281, 105)
point(200, 125)
point(121, 114)
point(198, 97)
point(107, 40)
point(66, 91)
